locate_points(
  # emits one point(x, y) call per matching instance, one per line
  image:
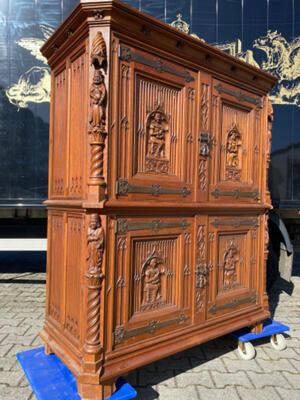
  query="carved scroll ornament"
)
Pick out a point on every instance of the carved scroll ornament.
point(97, 119)
point(94, 277)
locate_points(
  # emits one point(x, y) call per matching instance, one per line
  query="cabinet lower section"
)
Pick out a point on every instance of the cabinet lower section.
point(123, 291)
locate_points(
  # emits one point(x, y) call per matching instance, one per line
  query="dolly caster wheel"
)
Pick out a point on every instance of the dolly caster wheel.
point(278, 342)
point(246, 351)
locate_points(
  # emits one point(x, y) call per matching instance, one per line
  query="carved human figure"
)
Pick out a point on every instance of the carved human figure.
point(98, 96)
point(157, 135)
point(232, 149)
point(230, 260)
point(95, 245)
point(152, 281)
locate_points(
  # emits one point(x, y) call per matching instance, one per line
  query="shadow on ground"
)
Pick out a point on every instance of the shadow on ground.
point(21, 266)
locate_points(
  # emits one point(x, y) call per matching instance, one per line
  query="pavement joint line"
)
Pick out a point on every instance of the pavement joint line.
point(278, 393)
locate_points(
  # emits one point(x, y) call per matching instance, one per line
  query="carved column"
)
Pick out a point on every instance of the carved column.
point(94, 278)
point(97, 119)
point(268, 149)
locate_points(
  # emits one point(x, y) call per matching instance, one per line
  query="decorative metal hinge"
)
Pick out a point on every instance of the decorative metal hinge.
point(121, 334)
point(236, 222)
point(237, 193)
point(204, 144)
point(126, 54)
point(123, 188)
point(123, 226)
point(234, 303)
point(257, 101)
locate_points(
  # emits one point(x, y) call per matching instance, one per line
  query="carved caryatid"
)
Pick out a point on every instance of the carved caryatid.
point(233, 154)
point(157, 129)
point(230, 261)
point(152, 270)
point(94, 276)
point(97, 119)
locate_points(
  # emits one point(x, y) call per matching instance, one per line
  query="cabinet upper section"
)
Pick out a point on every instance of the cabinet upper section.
point(142, 112)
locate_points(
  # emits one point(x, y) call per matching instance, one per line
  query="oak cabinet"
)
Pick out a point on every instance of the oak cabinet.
point(157, 209)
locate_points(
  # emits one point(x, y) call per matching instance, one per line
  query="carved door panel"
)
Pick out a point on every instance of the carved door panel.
point(152, 277)
point(236, 146)
point(233, 250)
point(156, 127)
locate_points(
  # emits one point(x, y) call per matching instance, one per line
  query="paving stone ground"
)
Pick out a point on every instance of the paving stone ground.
point(210, 371)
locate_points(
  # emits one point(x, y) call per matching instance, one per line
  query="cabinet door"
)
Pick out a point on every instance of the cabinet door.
point(155, 127)
point(152, 278)
point(236, 170)
point(234, 255)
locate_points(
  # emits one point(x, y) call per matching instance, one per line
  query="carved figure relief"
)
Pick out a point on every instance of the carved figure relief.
point(233, 154)
point(95, 242)
point(94, 276)
point(152, 270)
point(231, 258)
point(98, 97)
point(157, 131)
point(97, 119)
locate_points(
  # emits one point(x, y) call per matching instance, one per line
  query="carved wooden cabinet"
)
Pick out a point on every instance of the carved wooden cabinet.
point(159, 148)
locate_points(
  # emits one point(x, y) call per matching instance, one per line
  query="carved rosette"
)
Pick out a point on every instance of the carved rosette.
point(94, 278)
point(97, 119)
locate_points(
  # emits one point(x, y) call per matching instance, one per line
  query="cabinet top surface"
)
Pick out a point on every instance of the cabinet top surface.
point(129, 22)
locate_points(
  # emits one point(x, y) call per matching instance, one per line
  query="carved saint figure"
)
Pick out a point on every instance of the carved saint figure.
point(152, 280)
point(230, 260)
point(98, 97)
point(95, 245)
point(232, 148)
point(158, 128)
point(233, 154)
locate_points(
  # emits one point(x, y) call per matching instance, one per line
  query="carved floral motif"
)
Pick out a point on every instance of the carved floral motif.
point(204, 106)
point(202, 174)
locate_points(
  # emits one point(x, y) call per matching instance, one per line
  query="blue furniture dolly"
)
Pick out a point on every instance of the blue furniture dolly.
point(271, 328)
point(50, 379)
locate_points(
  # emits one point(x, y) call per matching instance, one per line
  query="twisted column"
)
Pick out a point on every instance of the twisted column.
point(94, 277)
